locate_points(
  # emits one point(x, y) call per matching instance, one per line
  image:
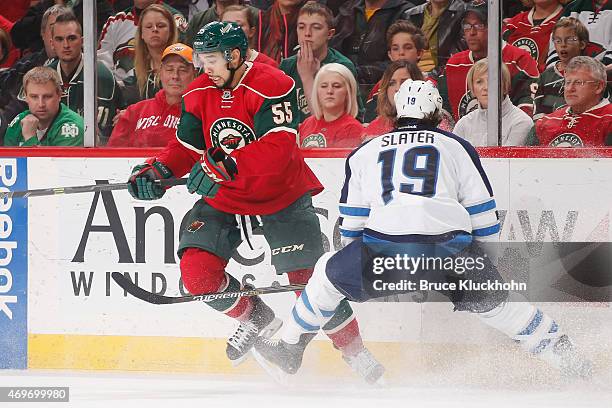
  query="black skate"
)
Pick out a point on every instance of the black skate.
point(262, 322)
point(364, 364)
point(286, 356)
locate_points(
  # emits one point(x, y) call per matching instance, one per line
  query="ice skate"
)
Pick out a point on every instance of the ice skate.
point(564, 356)
point(262, 322)
point(282, 354)
point(366, 365)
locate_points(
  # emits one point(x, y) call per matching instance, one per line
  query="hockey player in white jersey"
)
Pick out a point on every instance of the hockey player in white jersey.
point(413, 189)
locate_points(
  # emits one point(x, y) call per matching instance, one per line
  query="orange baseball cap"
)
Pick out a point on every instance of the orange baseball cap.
point(182, 50)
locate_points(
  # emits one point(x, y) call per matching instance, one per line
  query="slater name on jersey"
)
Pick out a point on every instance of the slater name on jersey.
point(393, 139)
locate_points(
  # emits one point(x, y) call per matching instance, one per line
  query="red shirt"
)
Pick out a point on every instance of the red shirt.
point(13, 10)
point(255, 124)
point(7, 25)
point(564, 129)
point(264, 59)
point(346, 131)
point(148, 123)
point(524, 75)
point(378, 126)
point(535, 39)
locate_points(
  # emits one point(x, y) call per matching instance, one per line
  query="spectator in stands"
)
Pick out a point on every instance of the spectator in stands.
point(12, 97)
point(404, 42)
point(453, 86)
point(243, 16)
point(515, 124)
point(156, 31)
point(47, 122)
point(26, 31)
point(116, 46)
point(277, 29)
point(596, 15)
point(334, 107)
point(587, 120)
point(314, 30)
point(395, 75)
point(153, 122)
point(440, 20)
point(531, 30)
point(214, 13)
point(571, 39)
point(8, 53)
point(68, 45)
point(361, 27)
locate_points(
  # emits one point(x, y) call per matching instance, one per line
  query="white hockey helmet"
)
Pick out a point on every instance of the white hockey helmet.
point(417, 99)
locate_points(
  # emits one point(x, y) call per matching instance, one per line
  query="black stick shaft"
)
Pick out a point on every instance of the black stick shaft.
point(158, 299)
point(82, 189)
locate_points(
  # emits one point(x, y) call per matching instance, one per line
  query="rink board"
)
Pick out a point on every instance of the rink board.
point(78, 318)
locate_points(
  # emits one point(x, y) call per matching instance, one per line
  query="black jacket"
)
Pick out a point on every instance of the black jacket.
point(450, 34)
point(364, 42)
point(25, 34)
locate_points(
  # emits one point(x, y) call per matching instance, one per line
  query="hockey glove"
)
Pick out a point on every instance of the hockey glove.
point(142, 184)
point(208, 174)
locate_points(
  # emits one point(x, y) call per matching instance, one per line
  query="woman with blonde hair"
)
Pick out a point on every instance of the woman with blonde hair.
point(156, 31)
point(334, 108)
point(473, 126)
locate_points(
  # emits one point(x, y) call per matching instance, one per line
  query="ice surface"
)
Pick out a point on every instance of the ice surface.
point(115, 390)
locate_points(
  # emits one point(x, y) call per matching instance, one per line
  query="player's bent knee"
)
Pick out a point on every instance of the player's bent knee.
point(202, 271)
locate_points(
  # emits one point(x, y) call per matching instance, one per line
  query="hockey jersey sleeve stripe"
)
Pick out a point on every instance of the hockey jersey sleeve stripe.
point(483, 232)
point(354, 211)
point(280, 129)
point(302, 323)
point(480, 208)
point(350, 234)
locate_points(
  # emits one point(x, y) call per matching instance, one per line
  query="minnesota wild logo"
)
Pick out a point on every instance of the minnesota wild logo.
point(231, 134)
point(567, 140)
point(314, 140)
point(467, 104)
point(528, 45)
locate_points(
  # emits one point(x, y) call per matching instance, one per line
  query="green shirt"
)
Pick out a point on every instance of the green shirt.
point(67, 129)
point(289, 67)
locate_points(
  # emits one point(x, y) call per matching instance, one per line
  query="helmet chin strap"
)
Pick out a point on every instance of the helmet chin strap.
point(227, 84)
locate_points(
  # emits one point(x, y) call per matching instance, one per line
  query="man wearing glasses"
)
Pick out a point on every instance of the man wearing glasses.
point(453, 85)
point(587, 118)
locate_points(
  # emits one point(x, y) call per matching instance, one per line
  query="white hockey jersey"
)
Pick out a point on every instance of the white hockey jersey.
point(416, 181)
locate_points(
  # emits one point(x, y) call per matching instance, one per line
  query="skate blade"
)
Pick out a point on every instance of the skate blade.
point(238, 361)
point(271, 329)
point(278, 375)
point(268, 331)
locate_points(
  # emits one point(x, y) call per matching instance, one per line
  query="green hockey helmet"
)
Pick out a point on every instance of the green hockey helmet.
point(221, 36)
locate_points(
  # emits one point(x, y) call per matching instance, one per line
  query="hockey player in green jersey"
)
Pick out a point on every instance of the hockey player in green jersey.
point(47, 122)
point(67, 41)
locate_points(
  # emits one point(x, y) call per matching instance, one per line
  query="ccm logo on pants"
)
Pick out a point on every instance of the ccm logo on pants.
point(288, 248)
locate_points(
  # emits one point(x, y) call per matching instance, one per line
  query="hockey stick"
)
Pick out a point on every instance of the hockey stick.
point(82, 189)
point(157, 299)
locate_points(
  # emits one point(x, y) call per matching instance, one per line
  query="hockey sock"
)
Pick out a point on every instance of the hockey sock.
point(203, 272)
point(310, 314)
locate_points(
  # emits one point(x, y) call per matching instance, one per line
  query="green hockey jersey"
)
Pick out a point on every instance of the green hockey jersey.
point(67, 129)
